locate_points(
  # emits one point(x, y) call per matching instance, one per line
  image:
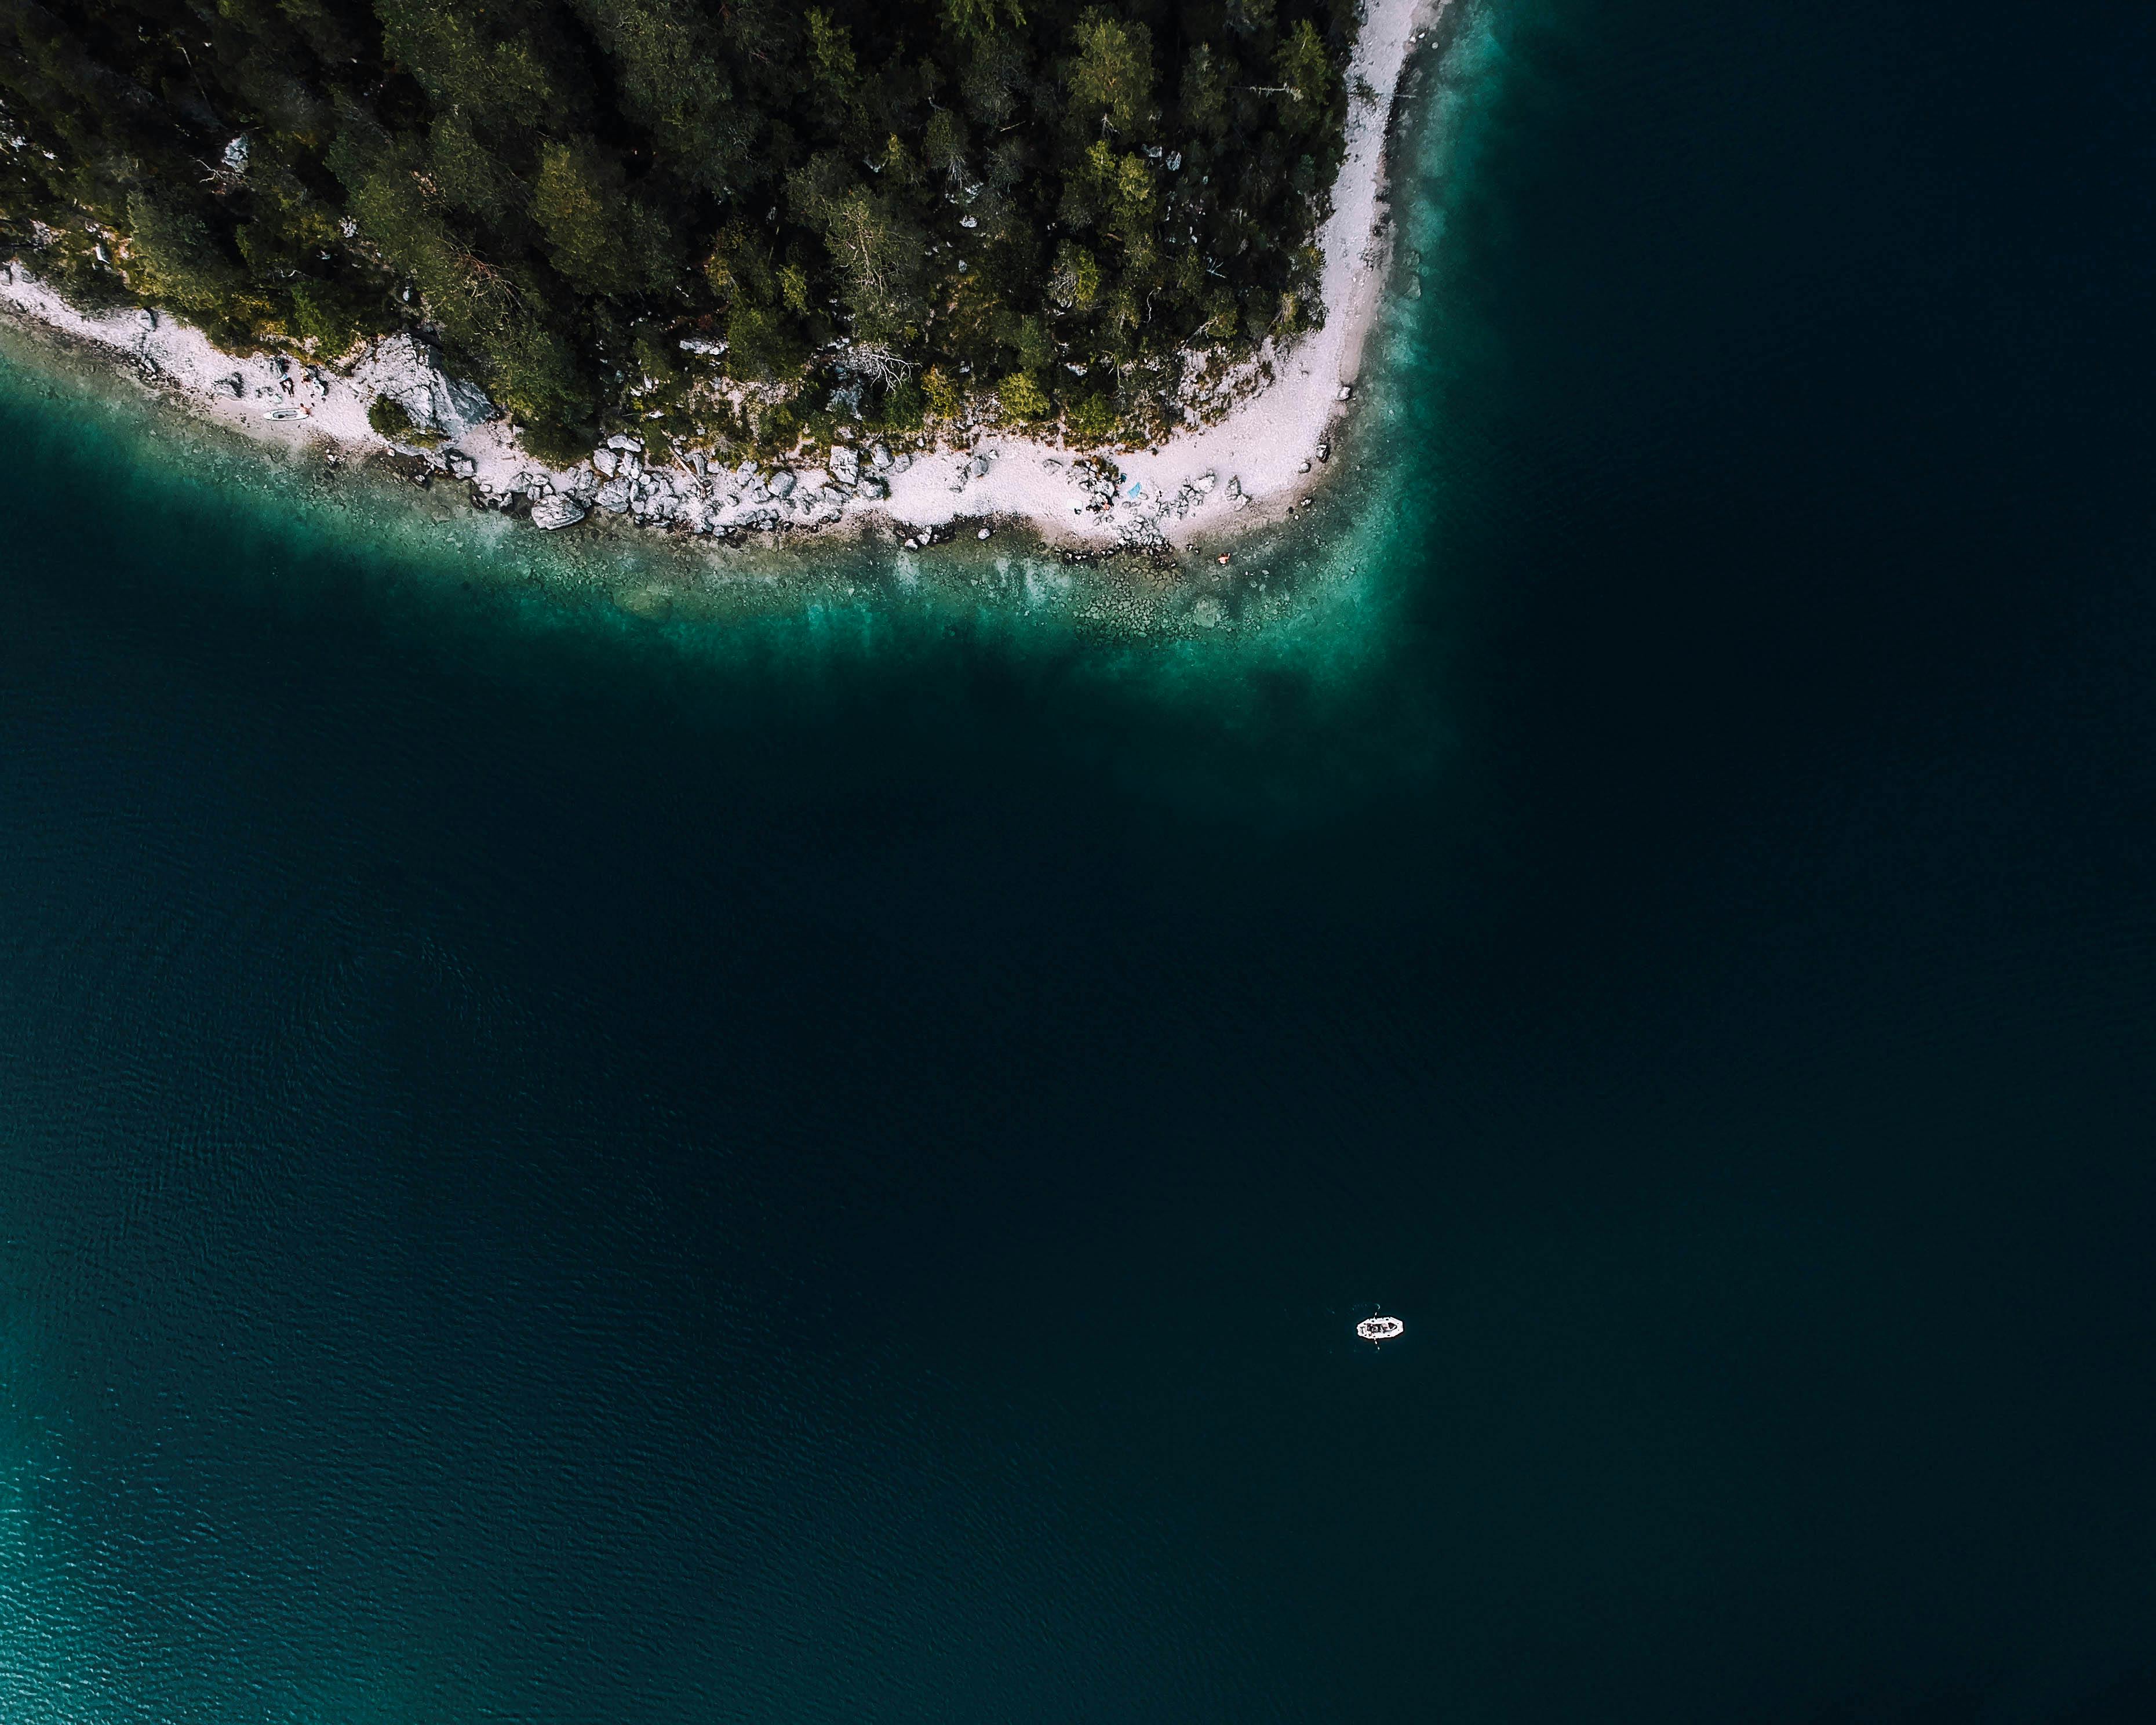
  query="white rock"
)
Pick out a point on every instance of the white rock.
point(879, 458)
point(409, 373)
point(606, 461)
point(555, 511)
point(783, 483)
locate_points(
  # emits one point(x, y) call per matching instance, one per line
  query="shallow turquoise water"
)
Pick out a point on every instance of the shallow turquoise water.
point(568, 1159)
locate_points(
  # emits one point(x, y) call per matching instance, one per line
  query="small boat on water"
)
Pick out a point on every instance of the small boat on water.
point(1380, 1329)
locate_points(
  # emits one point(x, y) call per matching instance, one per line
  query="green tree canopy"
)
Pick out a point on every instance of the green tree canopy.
point(1043, 208)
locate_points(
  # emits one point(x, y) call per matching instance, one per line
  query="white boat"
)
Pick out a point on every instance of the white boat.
point(285, 414)
point(1380, 1329)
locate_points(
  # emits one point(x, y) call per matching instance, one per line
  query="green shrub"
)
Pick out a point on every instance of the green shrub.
point(941, 394)
point(905, 407)
point(557, 444)
point(334, 316)
point(390, 420)
point(1092, 418)
point(1022, 397)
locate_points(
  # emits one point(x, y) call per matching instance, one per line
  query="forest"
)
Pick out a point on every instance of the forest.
point(720, 220)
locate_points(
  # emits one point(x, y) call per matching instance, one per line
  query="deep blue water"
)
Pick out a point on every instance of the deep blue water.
point(557, 1167)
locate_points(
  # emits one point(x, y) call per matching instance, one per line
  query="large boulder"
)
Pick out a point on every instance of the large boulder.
point(409, 373)
point(554, 511)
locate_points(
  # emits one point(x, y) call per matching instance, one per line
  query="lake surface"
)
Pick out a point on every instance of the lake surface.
point(567, 1166)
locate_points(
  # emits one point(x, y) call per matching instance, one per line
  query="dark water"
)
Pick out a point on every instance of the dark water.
point(555, 1171)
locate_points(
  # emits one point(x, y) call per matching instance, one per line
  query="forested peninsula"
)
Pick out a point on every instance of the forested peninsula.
point(729, 222)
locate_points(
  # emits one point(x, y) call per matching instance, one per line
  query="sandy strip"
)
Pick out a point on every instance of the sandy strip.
point(1267, 444)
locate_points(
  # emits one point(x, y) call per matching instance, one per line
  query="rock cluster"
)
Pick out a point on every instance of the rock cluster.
point(1140, 514)
point(696, 496)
